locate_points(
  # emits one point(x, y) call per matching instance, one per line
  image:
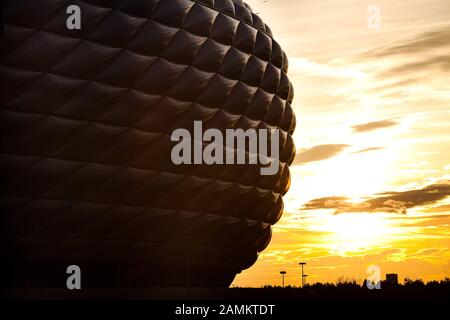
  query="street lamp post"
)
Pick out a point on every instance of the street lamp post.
point(282, 276)
point(304, 279)
point(303, 275)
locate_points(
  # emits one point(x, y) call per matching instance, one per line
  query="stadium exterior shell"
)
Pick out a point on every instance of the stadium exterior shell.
point(86, 119)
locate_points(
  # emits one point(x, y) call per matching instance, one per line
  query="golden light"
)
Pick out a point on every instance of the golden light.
point(354, 232)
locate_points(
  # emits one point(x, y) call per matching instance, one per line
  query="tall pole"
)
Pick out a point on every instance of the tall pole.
point(303, 278)
point(282, 277)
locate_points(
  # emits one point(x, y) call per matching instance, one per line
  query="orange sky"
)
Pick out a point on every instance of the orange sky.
point(371, 181)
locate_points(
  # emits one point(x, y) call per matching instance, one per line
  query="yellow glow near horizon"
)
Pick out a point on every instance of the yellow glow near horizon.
point(354, 232)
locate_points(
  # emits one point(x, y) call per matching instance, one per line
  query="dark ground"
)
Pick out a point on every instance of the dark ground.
point(348, 291)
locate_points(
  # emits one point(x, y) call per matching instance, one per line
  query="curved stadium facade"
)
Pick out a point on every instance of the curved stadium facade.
point(86, 119)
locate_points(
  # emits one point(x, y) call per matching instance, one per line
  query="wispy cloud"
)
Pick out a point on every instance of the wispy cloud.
point(426, 64)
point(370, 126)
point(368, 150)
point(410, 60)
point(419, 44)
point(320, 152)
point(395, 202)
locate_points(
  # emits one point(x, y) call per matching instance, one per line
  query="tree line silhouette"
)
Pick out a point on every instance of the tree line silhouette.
point(410, 289)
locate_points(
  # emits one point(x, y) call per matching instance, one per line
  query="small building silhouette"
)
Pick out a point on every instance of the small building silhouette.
point(392, 279)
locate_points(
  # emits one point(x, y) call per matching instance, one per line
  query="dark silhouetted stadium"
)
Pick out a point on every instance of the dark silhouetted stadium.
point(86, 123)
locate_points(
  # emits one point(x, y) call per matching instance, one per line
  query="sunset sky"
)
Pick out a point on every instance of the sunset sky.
point(371, 180)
